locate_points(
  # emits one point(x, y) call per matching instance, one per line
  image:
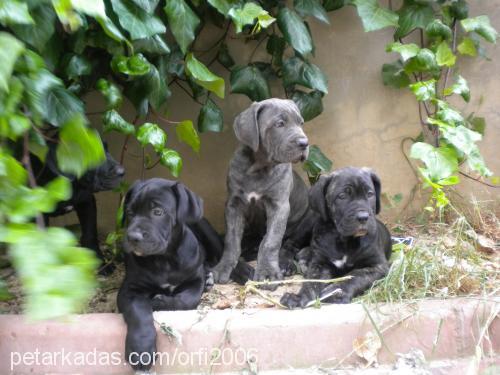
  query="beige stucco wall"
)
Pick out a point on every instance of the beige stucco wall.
point(363, 122)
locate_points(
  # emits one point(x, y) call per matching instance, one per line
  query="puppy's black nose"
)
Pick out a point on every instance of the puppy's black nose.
point(362, 216)
point(135, 237)
point(120, 171)
point(303, 142)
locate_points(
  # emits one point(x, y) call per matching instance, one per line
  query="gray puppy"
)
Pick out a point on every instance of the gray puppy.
point(347, 239)
point(266, 201)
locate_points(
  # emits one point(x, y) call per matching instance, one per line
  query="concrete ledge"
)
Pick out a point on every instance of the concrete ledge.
point(267, 339)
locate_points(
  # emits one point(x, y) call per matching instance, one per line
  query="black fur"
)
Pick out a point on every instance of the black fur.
point(347, 239)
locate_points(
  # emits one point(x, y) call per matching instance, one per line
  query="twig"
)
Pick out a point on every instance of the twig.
point(162, 118)
point(217, 42)
point(257, 47)
point(187, 92)
point(478, 180)
point(253, 289)
point(298, 281)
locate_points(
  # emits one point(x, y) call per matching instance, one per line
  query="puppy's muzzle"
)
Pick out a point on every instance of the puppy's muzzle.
point(302, 144)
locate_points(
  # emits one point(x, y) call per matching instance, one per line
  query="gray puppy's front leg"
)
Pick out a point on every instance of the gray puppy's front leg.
point(268, 257)
point(235, 224)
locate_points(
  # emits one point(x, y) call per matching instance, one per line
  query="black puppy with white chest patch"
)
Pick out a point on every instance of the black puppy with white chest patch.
point(347, 238)
point(164, 260)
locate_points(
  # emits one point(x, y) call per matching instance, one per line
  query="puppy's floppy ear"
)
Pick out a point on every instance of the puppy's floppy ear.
point(246, 126)
point(317, 198)
point(126, 201)
point(189, 205)
point(377, 185)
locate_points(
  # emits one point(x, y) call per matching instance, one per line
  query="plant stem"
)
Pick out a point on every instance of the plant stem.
point(31, 177)
point(453, 48)
point(478, 180)
point(187, 92)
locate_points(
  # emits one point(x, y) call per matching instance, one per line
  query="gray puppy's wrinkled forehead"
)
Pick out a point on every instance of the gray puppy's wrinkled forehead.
point(282, 106)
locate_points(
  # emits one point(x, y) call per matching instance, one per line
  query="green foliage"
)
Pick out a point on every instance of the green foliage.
point(425, 69)
point(316, 164)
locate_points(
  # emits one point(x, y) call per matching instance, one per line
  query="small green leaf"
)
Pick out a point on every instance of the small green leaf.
point(139, 23)
point(183, 22)
point(79, 148)
point(224, 57)
point(111, 30)
point(310, 104)
point(38, 34)
point(154, 44)
point(172, 160)
point(467, 47)
point(14, 12)
point(186, 133)
point(478, 124)
point(440, 162)
point(60, 106)
point(204, 77)
point(481, 25)
point(223, 6)
point(447, 114)
point(136, 65)
point(444, 55)
point(248, 14)
point(250, 81)
point(295, 31)
point(10, 49)
point(316, 162)
point(210, 118)
point(373, 16)
point(111, 93)
point(460, 87)
point(424, 61)
point(413, 16)
point(37, 145)
point(394, 75)
point(406, 51)
point(459, 9)
point(152, 134)
point(437, 29)
point(77, 66)
point(113, 121)
point(275, 47)
point(299, 72)
point(311, 8)
point(424, 90)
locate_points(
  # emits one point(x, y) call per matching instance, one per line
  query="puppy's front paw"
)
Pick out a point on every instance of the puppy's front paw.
point(209, 281)
point(268, 273)
point(221, 273)
point(162, 302)
point(140, 349)
point(292, 301)
point(287, 267)
point(339, 298)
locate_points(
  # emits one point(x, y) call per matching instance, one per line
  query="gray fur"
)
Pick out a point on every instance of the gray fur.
point(262, 187)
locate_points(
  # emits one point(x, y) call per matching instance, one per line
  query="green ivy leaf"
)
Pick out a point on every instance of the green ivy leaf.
point(447, 114)
point(136, 20)
point(38, 34)
point(331, 5)
point(14, 12)
point(113, 121)
point(424, 61)
point(437, 29)
point(295, 31)
point(478, 124)
point(136, 65)
point(275, 47)
point(460, 87)
point(67, 15)
point(412, 16)
point(248, 14)
point(467, 47)
point(459, 9)
point(373, 16)
point(316, 162)
point(394, 75)
point(79, 148)
point(183, 22)
point(60, 106)
point(204, 77)
point(210, 118)
point(10, 49)
point(250, 81)
point(481, 25)
point(299, 72)
point(186, 133)
point(111, 30)
point(224, 57)
point(77, 66)
point(149, 133)
point(12, 172)
point(172, 160)
point(37, 146)
point(406, 51)
point(310, 104)
point(440, 162)
point(424, 90)
point(223, 6)
point(444, 55)
point(154, 44)
point(93, 8)
point(311, 8)
point(148, 5)
point(111, 93)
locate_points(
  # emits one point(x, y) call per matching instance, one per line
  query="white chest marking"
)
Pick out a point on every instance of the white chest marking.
point(253, 195)
point(340, 263)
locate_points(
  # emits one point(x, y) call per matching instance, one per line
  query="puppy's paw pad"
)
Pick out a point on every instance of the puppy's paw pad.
point(221, 276)
point(209, 281)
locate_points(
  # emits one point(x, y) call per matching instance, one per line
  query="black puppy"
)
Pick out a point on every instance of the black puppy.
point(106, 176)
point(165, 259)
point(347, 239)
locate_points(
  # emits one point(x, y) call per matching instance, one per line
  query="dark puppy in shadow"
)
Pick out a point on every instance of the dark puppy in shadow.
point(348, 239)
point(168, 250)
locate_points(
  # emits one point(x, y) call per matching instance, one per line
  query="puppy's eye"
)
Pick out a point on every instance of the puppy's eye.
point(280, 123)
point(370, 194)
point(157, 211)
point(342, 196)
